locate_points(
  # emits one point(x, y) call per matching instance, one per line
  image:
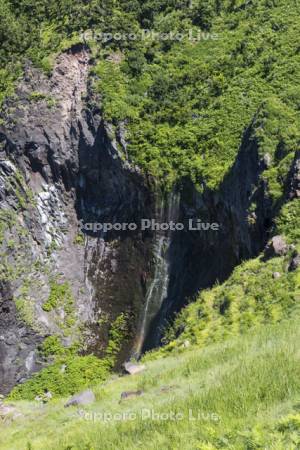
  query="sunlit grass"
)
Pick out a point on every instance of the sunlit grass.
point(229, 395)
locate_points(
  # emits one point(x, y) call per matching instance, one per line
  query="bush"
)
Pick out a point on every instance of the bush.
point(65, 377)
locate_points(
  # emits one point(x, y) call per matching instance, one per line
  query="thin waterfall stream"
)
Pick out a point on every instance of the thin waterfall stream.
point(158, 289)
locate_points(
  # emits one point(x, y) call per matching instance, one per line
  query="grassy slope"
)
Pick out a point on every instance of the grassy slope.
point(252, 383)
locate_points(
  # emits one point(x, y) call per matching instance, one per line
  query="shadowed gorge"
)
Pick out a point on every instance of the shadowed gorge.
point(71, 156)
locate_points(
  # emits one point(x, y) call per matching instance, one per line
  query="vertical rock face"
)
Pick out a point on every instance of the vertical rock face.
point(59, 165)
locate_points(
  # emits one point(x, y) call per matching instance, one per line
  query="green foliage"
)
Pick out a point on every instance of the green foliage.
point(52, 346)
point(186, 104)
point(25, 306)
point(36, 96)
point(190, 116)
point(66, 376)
point(25, 309)
point(8, 219)
point(16, 185)
point(113, 89)
point(117, 334)
point(79, 239)
point(60, 296)
point(70, 372)
point(288, 221)
point(278, 136)
point(7, 82)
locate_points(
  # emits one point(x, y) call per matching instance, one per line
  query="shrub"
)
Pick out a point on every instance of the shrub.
point(65, 377)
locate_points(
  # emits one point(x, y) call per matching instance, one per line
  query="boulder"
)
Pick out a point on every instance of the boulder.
point(83, 398)
point(133, 369)
point(276, 275)
point(130, 394)
point(276, 247)
point(9, 413)
point(295, 263)
point(186, 343)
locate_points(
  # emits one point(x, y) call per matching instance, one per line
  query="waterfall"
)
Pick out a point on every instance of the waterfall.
point(158, 289)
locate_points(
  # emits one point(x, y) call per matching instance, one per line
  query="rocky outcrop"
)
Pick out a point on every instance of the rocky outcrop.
point(61, 165)
point(295, 262)
point(38, 170)
point(276, 247)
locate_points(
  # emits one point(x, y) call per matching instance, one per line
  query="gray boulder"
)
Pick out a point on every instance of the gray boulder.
point(276, 275)
point(276, 247)
point(295, 263)
point(133, 369)
point(83, 398)
point(130, 394)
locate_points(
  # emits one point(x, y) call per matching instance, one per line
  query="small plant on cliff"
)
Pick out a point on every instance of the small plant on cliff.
point(37, 96)
point(52, 346)
point(60, 295)
point(79, 239)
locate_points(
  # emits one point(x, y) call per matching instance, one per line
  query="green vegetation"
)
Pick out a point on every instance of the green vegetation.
point(8, 220)
point(26, 310)
point(66, 376)
point(52, 346)
point(228, 384)
point(185, 106)
point(79, 239)
point(288, 221)
point(60, 296)
point(70, 371)
point(61, 304)
point(16, 185)
point(186, 103)
point(117, 335)
point(38, 96)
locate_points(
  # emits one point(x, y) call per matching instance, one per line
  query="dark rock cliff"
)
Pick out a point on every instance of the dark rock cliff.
point(61, 164)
